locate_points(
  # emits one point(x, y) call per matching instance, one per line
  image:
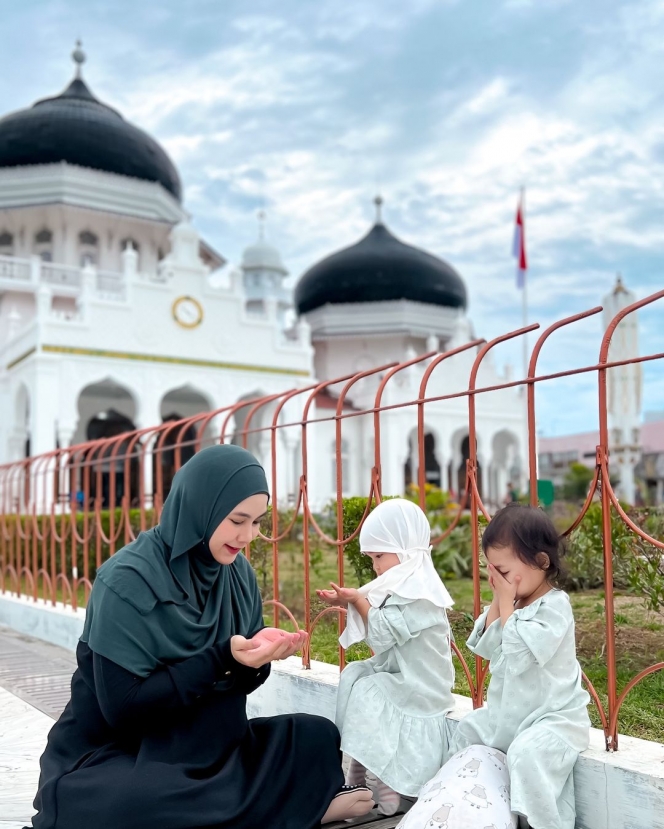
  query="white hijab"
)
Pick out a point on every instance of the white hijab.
point(397, 526)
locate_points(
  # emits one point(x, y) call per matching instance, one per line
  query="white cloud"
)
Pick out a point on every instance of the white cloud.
point(448, 109)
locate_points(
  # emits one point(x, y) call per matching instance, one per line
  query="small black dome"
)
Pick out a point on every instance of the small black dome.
point(378, 268)
point(77, 128)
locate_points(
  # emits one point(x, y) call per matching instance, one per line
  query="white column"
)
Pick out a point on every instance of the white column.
point(148, 414)
point(394, 453)
point(44, 397)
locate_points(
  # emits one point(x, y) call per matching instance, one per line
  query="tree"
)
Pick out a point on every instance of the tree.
point(577, 481)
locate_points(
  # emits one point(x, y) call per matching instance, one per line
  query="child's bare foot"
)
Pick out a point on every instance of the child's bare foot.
point(350, 802)
point(387, 799)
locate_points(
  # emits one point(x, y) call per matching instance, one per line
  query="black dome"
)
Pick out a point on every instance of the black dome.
point(77, 128)
point(379, 268)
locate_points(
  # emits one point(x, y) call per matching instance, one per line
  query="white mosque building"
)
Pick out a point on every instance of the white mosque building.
point(112, 317)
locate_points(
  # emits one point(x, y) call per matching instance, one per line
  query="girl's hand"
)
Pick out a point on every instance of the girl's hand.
point(339, 596)
point(504, 592)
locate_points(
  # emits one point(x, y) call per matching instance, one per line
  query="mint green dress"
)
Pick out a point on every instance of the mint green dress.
point(536, 710)
point(391, 708)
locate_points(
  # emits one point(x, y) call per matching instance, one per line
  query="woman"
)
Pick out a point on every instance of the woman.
point(156, 733)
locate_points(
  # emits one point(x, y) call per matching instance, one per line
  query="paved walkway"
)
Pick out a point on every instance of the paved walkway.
point(34, 689)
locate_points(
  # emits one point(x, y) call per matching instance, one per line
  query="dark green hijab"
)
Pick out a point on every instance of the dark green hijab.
point(163, 597)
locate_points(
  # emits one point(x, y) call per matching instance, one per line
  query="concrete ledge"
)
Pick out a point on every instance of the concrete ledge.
point(59, 625)
point(624, 790)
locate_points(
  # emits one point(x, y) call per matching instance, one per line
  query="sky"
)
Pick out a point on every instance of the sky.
point(447, 108)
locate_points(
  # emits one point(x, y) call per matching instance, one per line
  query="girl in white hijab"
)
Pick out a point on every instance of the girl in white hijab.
point(391, 708)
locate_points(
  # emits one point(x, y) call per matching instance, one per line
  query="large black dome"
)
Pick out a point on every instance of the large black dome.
point(378, 268)
point(77, 128)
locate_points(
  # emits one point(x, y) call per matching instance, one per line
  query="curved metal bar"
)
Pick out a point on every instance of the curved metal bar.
point(424, 383)
point(377, 404)
point(306, 651)
point(589, 499)
point(466, 669)
point(532, 371)
point(613, 724)
point(276, 603)
point(29, 577)
point(634, 527)
point(472, 450)
point(12, 572)
point(62, 579)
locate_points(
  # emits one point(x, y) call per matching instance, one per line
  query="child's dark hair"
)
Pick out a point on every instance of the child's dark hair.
point(528, 531)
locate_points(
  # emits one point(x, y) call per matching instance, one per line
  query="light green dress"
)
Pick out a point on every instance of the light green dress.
point(391, 708)
point(536, 708)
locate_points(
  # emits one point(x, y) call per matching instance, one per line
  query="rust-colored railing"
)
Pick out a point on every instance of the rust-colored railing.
point(62, 513)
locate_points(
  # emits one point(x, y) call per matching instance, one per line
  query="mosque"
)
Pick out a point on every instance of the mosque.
point(115, 315)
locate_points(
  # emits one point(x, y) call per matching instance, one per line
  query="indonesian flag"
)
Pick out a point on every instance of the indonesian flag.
point(519, 246)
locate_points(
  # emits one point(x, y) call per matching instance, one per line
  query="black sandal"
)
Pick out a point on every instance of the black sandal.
point(349, 789)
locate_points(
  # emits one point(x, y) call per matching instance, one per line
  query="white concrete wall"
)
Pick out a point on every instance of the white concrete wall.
point(623, 790)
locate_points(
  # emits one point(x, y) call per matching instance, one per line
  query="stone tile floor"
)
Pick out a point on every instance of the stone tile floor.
point(34, 689)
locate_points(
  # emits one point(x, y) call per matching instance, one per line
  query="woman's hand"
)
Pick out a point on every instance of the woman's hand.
point(297, 638)
point(339, 596)
point(268, 645)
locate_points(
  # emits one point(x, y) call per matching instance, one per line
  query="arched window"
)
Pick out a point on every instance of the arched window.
point(44, 245)
point(89, 248)
point(6, 243)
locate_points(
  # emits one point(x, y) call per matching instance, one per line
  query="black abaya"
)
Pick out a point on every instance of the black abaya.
point(175, 751)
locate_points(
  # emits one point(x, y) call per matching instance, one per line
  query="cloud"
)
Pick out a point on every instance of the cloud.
point(447, 108)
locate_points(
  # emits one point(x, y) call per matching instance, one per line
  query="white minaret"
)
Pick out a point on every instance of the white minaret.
point(264, 274)
point(624, 387)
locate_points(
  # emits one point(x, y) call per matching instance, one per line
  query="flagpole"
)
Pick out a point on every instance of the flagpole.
point(525, 294)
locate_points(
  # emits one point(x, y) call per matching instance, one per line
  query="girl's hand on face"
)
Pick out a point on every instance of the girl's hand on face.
point(503, 591)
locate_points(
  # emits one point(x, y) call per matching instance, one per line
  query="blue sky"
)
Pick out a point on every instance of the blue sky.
point(447, 107)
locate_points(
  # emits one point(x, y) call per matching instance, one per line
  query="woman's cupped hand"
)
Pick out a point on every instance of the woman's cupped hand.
point(268, 645)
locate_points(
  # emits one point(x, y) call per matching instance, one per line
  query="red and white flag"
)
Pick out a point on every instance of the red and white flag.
point(519, 245)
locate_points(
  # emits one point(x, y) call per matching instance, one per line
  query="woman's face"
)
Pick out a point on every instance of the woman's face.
point(382, 562)
point(238, 529)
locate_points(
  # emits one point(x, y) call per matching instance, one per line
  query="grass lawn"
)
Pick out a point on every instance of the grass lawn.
point(639, 633)
point(639, 640)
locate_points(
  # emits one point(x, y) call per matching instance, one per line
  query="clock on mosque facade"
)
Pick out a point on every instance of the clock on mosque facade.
point(187, 312)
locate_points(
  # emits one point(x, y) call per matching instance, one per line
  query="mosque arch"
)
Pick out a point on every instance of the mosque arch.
point(43, 245)
point(6, 243)
point(433, 466)
point(254, 440)
point(505, 468)
point(88, 243)
point(107, 409)
point(178, 404)
point(457, 466)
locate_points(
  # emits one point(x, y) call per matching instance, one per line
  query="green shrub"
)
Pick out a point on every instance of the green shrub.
point(577, 482)
point(452, 557)
point(637, 565)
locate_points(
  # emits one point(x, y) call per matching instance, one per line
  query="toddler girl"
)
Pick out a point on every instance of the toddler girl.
point(536, 707)
point(391, 708)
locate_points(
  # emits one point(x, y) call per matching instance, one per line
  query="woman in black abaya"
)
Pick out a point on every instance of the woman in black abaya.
point(156, 735)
